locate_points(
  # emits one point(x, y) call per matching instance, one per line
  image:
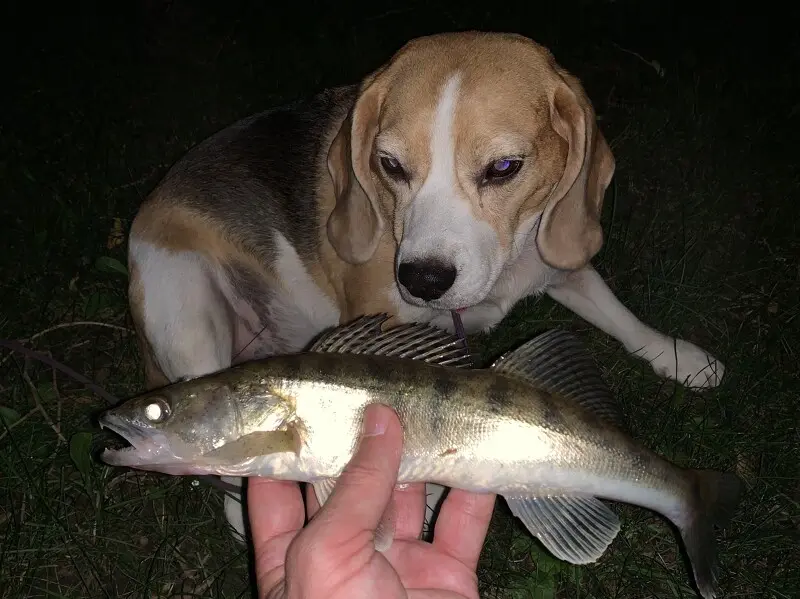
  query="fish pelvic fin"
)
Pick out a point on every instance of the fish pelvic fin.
point(716, 497)
point(384, 532)
point(323, 489)
point(557, 362)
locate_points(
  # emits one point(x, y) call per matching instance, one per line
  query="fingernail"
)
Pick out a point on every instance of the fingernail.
point(376, 419)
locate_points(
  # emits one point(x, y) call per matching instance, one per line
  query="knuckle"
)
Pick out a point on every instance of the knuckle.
point(364, 474)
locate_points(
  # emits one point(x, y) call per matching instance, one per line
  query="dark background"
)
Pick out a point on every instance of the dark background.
point(103, 95)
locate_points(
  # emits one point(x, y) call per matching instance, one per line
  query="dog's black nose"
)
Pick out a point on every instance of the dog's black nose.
point(426, 280)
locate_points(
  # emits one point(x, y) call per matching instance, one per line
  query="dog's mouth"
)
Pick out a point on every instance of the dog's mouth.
point(459, 306)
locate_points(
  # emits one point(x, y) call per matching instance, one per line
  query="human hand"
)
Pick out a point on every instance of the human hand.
point(334, 556)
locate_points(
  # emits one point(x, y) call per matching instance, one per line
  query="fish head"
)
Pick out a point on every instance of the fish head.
point(181, 428)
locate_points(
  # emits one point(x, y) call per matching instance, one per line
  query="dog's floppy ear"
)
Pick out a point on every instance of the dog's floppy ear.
point(569, 232)
point(356, 224)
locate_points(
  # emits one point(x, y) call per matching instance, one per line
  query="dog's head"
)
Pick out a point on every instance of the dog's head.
point(464, 145)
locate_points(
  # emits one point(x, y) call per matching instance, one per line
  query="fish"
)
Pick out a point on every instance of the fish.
point(539, 427)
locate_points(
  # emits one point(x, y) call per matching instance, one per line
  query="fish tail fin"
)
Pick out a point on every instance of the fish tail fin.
point(715, 498)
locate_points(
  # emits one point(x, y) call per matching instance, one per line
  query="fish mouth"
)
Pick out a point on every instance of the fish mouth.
point(150, 450)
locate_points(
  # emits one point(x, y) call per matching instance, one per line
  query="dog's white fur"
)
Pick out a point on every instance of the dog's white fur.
point(217, 278)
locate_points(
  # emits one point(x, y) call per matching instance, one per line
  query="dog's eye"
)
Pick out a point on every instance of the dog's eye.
point(501, 170)
point(393, 168)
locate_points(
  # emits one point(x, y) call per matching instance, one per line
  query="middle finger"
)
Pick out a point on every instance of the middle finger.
point(408, 503)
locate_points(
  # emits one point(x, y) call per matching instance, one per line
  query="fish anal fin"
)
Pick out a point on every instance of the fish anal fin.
point(576, 529)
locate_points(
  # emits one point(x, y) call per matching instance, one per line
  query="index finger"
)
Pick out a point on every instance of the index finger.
point(409, 506)
point(277, 515)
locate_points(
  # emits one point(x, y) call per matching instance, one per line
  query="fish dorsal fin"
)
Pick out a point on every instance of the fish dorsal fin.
point(556, 361)
point(416, 341)
point(575, 529)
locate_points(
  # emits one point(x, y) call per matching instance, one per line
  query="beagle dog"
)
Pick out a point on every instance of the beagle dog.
point(465, 174)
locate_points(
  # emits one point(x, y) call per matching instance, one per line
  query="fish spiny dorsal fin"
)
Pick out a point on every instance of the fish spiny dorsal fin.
point(557, 362)
point(417, 341)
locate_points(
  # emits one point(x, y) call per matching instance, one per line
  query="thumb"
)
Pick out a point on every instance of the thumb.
point(365, 487)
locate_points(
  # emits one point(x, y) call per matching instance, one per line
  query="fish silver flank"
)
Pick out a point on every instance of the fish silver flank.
point(538, 427)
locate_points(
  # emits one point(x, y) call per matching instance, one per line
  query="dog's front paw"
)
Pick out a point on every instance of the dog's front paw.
point(684, 362)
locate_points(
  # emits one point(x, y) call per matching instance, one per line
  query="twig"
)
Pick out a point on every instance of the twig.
point(64, 325)
point(77, 345)
point(58, 413)
point(55, 364)
point(654, 64)
point(18, 347)
point(10, 427)
point(38, 402)
point(58, 396)
point(136, 182)
point(117, 480)
point(191, 573)
point(77, 323)
point(200, 590)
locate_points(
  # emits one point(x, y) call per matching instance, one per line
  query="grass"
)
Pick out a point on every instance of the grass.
point(701, 243)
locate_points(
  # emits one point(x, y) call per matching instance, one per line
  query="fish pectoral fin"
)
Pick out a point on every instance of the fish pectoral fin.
point(323, 489)
point(557, 362)
point(384, 532)
point(256, 444)
point(576, 529)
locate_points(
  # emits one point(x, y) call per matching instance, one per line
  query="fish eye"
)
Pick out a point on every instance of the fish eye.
point(157, 410)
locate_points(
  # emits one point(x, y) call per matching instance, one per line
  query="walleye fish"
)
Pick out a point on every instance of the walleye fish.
point(538, 427)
